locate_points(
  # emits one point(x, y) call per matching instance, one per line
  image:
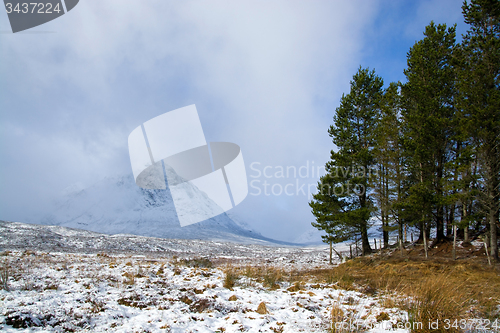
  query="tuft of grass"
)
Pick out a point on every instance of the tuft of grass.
point(278, 329)
point(96, 306)
point(336, 316)
point(262, 309)
point(186, 300)
point(4, 276)
point(435, 298)
point(132, 301)
point(271, 277)
point(296, 287)
point(230, 278)
point(340, 320)
point(51, 286)
point(382, 316)
point(389, 301)
point(129, 278)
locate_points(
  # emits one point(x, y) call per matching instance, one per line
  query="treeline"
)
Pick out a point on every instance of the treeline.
point(425, 153)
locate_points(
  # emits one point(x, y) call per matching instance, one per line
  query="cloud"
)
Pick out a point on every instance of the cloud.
point(266, 75)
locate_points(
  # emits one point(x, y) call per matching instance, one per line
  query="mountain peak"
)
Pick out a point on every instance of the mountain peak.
point(116, 205)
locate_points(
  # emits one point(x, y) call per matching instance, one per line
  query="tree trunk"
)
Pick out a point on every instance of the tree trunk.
point(466, 223)
point(338, 254)
point(454, 242)
point(492, 197)
point(451, 220)
point(365, 242)
point(493, 235)
point(486, 241)
point(447, 228)
point(420, 233)
point(440, 208)
point(425, 242)
point(385, 232)
point(331, 246)
point(439, 223)
point(401, 238)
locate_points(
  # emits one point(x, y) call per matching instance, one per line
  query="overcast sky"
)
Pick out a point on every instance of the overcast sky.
point(266, 75)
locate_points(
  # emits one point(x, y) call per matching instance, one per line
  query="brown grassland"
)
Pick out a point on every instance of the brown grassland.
point(437, 288)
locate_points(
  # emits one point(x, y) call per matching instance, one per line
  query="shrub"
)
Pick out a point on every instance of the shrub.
point(201, 305)
point(197, 262)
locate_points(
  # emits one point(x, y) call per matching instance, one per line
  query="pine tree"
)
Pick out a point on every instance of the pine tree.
point(347, 183)
point(330, 213)
point(479, 86)
point(428, 112)
point(389, 159)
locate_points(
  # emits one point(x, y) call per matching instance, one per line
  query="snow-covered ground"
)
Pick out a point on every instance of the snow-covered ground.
point(57, 292)
point(62, 279)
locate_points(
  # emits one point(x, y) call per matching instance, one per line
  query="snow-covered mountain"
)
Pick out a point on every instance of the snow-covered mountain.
point(116, 205)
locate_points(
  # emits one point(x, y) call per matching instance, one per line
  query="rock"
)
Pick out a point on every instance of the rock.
point(233, 298)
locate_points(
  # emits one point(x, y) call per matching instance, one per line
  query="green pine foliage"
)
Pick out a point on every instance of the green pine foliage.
point(388, 182)
point(347, 185)
point(428, 114)
point(478, 73)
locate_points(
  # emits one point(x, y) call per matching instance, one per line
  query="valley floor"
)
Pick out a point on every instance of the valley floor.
point(61, 292)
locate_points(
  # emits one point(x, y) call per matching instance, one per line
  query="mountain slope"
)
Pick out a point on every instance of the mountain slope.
point(119, 206)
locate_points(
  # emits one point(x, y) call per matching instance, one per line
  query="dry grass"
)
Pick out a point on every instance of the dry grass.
point(262, 309)
point(429, 290)
point(436, 298)
point(295, 287)
point(341, 319)
point(272, 277)
point(337, 316)
point(195, 262)
point(230, 277)
point(4, 275)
